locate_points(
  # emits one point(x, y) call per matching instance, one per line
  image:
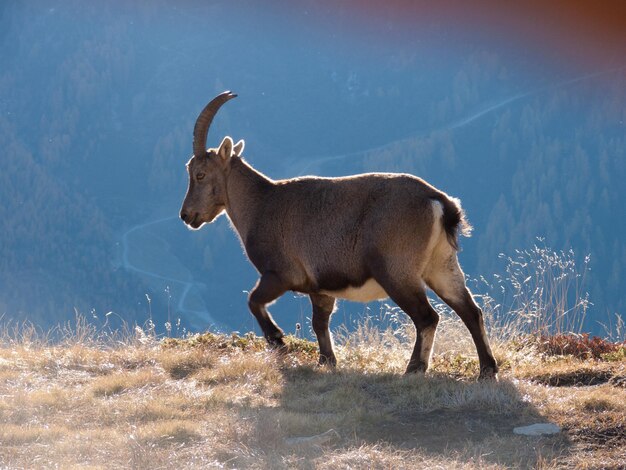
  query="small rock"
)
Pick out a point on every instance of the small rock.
point(538, 429)
point(320, 439)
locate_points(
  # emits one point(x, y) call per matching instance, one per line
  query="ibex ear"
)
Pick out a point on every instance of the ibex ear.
point(226, 148)
point(238, 148)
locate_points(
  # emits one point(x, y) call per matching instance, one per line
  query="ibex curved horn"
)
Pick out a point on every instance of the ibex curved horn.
point(201, 129)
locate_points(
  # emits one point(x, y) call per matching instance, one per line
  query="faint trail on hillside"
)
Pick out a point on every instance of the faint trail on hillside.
point(187, 285)
point(487, 110)
point(459, 123)
point(521, 96)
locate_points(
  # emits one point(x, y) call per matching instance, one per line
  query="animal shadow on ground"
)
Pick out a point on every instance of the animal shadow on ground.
point(433, 414)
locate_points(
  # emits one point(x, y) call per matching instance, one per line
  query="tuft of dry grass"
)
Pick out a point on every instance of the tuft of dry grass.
point(169, 432)
point(166, 409)
point(569, 371)
point(180, 364)
point(113, 384)
point(20, 435)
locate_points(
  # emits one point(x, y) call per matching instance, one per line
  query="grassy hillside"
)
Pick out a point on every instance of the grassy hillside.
point(97, 400)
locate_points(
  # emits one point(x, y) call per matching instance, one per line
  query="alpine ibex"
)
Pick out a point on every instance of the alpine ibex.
point(361, 238)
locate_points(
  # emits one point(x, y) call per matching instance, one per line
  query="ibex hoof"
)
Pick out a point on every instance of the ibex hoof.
point(488, 373)
point(329, 361)
point(419, 368)
point(277, 344)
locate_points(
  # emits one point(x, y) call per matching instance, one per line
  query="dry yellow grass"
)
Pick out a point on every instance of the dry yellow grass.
point(107, 385)
point(227, 402)
point(169, 431)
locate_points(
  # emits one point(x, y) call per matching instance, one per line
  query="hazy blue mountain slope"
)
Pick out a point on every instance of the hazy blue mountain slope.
point(97, 105)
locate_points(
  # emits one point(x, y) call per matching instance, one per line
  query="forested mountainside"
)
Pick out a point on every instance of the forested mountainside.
point(97, 105)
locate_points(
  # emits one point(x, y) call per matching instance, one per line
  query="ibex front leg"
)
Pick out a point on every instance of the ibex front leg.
point(267, 290)
point(323, 306)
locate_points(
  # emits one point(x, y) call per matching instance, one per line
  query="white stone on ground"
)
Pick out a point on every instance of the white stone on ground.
point(320, 439)
point(538, 429)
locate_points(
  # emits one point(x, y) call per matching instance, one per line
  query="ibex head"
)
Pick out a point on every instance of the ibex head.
point(206, 194)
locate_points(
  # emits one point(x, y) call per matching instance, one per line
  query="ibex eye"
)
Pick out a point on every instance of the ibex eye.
point(199, 176)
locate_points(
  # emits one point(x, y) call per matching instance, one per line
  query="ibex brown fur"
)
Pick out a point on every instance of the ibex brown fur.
point(361, 238)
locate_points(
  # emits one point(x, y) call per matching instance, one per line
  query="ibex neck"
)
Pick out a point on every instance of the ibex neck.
point(246, 189)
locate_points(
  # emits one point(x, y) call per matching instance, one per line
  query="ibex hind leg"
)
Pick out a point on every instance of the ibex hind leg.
point(447, 280)
point(411, 298)
point(425, 319)
point(267, 290)
point(323, 306)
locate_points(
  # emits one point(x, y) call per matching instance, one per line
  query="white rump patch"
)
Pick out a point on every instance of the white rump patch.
point(368, 292)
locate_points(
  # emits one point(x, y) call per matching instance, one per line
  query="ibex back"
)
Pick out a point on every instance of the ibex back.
point(362, 238)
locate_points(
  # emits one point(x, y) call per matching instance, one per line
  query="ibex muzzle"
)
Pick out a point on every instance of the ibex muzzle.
point(361, 237)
